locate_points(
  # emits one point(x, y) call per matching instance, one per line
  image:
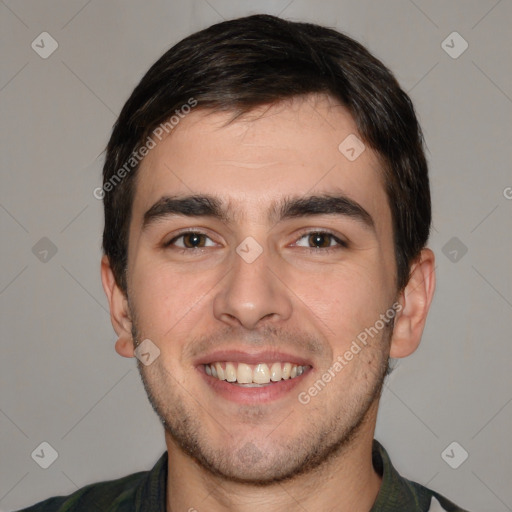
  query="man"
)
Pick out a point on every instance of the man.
point(267, 210)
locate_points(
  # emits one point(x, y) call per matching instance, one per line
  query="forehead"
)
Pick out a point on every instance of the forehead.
point(287, 149)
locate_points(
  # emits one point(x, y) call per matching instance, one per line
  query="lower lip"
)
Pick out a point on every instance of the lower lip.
point(255, 395)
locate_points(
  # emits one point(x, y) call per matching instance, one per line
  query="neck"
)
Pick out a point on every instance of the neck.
point(345, 482)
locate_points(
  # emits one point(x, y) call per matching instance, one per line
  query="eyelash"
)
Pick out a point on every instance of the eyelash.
point(181, 235)
point(341, 244)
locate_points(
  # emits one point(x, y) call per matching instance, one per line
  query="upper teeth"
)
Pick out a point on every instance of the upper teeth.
point(257, 374)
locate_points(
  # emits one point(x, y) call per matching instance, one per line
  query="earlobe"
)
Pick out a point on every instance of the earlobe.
point(124, 346)
point(415, 300)
point(119, 310)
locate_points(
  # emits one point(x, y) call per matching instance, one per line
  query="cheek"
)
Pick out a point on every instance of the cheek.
point(166, 300)
point(345, 301)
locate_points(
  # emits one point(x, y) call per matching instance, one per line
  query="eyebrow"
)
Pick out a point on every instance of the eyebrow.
point(286, 208)
point(325, 204)
point(189, 206)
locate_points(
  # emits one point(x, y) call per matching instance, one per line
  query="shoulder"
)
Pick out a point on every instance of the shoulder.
point(438, 503)
point(116, 495)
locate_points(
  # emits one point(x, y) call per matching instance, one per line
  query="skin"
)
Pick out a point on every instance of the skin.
point(311, 302)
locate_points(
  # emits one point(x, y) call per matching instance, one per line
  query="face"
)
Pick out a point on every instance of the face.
point(255, 247)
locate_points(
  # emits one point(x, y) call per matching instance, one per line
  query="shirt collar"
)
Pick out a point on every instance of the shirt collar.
point(151, 494)
point(396, 492)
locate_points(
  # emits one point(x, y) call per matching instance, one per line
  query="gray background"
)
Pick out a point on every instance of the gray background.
point(62, 382)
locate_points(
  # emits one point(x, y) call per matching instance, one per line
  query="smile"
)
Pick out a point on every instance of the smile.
point(256, 375)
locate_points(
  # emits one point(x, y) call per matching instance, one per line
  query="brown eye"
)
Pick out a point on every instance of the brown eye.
point(191, 240)
point(320, 240)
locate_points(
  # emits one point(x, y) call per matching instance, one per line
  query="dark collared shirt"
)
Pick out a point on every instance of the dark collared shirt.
point(146, 492)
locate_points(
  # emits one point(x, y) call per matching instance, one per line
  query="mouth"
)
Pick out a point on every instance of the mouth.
point(253, 378)
point(261, 374)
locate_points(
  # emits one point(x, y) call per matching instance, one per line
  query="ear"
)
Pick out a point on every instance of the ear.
point(415, 300)
point(119, 310)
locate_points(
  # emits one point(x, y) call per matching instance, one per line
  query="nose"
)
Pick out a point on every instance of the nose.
point(252, 295)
